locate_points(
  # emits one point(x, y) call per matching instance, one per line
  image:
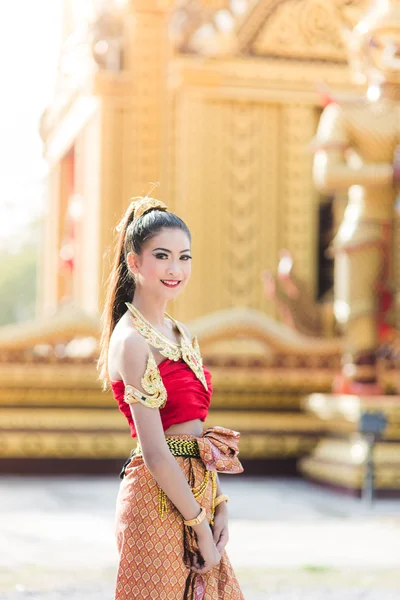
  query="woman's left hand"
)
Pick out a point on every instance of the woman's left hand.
point(220, 527)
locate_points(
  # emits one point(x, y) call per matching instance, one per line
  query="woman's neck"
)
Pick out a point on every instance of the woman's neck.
point(153, 309)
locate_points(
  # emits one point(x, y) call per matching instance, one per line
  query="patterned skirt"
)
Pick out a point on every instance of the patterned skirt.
point(155, 547)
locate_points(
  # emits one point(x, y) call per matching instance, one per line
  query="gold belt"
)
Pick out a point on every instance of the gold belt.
point(190, 449)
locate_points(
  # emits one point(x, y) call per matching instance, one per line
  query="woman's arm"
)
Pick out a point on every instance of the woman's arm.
point(219, 488)
point(156, 454)
point(220, 529)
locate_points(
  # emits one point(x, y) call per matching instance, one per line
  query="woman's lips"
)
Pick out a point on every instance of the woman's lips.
point(170, 283)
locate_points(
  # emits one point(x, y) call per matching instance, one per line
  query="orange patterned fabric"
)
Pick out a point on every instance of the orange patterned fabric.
point(219, 449)
point(155, 553)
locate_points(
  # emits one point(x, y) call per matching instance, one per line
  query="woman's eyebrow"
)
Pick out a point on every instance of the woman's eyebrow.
point(166, 250)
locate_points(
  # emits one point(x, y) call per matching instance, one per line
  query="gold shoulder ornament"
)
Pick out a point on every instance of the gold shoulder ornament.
point(187, 350)
point(190, 352)
point(152, 383)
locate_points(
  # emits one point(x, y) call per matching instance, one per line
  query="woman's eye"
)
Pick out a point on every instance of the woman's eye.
point(186, 257)
point(161, 255)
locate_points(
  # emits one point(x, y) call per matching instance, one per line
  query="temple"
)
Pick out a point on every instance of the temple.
point(220, 102)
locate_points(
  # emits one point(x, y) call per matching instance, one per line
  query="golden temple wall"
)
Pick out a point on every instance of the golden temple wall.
point(88, 166)
point(227, 191)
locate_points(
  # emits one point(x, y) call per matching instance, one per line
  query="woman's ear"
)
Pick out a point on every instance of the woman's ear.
point(131, 259)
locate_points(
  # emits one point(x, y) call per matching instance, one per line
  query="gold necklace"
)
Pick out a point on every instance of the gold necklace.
point(189, 352)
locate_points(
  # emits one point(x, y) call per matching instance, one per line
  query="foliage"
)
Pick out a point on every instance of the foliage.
point(18, 279)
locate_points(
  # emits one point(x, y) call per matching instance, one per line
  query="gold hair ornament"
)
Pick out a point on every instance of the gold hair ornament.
point(140, 205)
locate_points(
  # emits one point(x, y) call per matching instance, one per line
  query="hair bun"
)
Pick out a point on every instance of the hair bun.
point(139, 206)
point(145, 204)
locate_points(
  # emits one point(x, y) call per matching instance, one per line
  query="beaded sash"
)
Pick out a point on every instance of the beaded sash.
point(178, 447)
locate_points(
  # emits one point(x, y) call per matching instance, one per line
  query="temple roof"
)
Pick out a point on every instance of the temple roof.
point(299, 29)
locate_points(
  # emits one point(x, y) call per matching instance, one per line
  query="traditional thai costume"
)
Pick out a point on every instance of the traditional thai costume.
point(155, 547)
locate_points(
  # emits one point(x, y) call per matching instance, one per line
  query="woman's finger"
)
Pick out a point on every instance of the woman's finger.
point(202, 570)
point(223, 540)
point(197, 560)
point(196, 567)
point(216, 534)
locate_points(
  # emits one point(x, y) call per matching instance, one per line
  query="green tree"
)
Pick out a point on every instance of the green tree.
point(18, 279)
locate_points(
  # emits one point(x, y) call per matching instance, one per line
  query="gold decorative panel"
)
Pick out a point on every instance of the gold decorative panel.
point(298, 208)
point(147, 56)
point(228, 192)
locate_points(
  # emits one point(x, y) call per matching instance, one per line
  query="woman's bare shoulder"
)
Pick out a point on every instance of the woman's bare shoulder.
point(129, 340)
point(125, 333)
point(128, 350)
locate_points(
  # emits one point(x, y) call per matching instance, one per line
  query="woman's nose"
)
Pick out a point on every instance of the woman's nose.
point(174, 268)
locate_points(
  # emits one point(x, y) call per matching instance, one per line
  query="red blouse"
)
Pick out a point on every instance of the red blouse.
point(187, 398)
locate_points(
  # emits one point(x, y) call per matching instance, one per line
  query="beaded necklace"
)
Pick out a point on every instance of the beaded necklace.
point(189, 352)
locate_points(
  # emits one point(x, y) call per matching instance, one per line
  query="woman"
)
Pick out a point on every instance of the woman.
point(171, 518)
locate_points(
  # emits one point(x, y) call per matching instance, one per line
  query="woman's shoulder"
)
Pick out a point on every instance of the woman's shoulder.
point(126, 335)
point(131, 341)
point(127, 348)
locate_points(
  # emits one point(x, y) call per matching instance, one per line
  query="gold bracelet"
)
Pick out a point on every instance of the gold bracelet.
point(219, 499)
point(197, 520)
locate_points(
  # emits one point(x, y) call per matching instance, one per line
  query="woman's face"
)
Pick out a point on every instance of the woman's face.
point(164, 266)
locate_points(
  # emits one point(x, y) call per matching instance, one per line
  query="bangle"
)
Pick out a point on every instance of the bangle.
point(219, 499)
point(197, 520)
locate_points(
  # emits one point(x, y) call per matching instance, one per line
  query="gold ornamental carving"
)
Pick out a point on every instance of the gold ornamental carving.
point(300, 29)
point(64, 445)
point(242, 219)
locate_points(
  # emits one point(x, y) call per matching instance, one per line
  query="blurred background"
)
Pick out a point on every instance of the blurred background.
point(273, 128)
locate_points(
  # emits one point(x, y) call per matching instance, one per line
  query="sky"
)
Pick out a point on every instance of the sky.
point(30, 36)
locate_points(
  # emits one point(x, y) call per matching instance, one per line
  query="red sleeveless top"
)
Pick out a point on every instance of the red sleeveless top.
point(187, 398)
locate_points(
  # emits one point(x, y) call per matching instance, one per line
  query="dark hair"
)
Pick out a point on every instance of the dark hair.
point(121, 284)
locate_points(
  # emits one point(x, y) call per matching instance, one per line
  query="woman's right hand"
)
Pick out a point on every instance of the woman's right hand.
point(210, 557)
